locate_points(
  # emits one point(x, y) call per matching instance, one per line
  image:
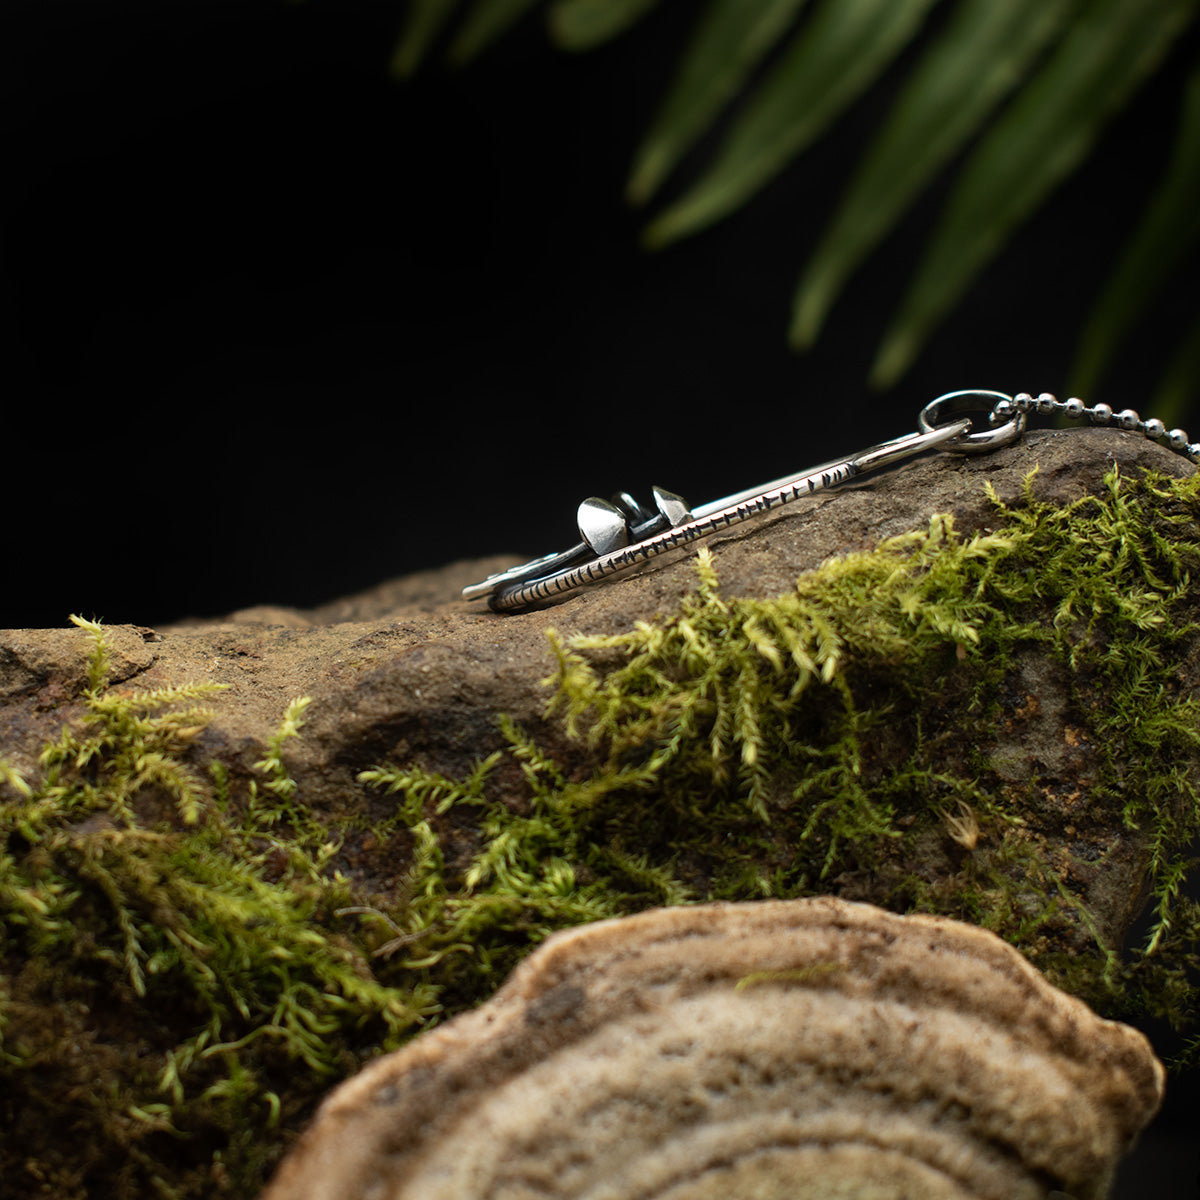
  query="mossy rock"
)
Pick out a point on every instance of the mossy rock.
point(214, 904)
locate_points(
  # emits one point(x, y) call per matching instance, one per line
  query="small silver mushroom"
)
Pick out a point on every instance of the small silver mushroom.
point(782, 1049)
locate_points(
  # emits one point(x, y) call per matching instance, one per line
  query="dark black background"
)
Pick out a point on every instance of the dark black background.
point(278, 327)
point(282, 327)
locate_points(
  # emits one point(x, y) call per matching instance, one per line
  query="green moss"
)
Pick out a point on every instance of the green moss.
point(844, 738)
point(800, 976)
point(844, 728)
point(188, 959)
point(185, 952)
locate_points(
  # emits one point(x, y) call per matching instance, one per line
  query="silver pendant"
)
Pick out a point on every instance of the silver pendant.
point(620, 535)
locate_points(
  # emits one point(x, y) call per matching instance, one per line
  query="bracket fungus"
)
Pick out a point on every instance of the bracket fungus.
point(797, 1048)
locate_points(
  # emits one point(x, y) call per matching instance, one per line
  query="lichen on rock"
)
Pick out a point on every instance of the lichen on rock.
point(813, 1048)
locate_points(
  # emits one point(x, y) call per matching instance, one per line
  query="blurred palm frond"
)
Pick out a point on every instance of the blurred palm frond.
point(1010, 97)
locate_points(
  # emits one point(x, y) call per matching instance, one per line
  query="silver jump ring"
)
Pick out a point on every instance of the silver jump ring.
point(972, 400)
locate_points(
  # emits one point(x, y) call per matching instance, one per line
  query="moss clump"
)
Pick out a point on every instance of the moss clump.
point(844, 737)
point(188, 961)
point(172, 982)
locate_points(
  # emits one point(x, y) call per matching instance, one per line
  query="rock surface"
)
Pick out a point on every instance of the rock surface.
point(410, 673)
point(409, 670)
point(411, 676)
point(809, 1048)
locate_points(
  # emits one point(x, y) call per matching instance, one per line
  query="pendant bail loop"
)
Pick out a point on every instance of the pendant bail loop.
point(972, 400)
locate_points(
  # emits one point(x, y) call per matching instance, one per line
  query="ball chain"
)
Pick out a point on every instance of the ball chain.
point(1098, 414)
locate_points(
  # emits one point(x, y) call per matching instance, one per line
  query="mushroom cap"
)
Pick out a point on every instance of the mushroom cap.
point(799, 1049)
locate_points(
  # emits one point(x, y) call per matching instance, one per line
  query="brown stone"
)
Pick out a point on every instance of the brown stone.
point(409, 670)
point(410, 673)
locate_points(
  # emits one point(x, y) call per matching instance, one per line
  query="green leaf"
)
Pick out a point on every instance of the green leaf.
point(837, 54)
point(425, 20)
point(583, 24)
point(485, 23)
point(729, 41)
point(1169, 229)
point(984, 51)
point(1112, 45)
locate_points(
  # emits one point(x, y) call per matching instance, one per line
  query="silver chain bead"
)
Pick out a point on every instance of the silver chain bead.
point(1098, 414)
